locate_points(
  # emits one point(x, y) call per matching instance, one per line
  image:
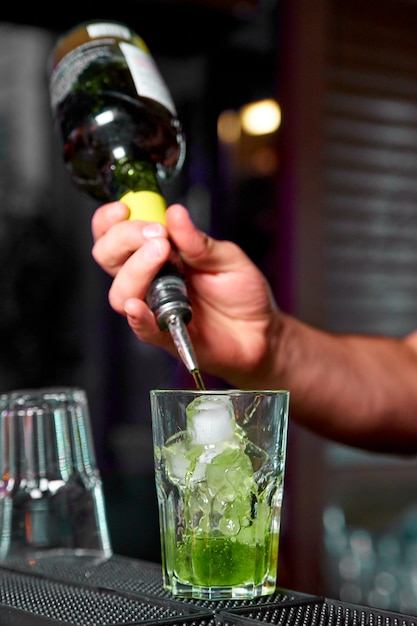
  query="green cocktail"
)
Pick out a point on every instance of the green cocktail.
point(220, 497)
point(219, 561)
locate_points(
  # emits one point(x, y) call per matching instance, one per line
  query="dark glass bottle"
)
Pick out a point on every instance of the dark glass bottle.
point(120, 136)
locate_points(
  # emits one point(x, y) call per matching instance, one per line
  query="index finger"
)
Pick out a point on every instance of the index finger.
point(106, 216)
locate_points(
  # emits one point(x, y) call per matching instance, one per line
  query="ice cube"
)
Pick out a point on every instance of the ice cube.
point(182, 460)
point(177, 462)
point(210, 420)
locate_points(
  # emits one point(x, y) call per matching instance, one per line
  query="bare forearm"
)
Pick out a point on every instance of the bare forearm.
point(359, 390)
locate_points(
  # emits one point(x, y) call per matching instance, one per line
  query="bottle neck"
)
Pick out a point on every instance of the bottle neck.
point(139, 189)
point(136, 175)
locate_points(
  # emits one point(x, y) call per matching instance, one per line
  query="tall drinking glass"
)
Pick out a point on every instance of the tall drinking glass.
point(219, 463)
point(51, 498)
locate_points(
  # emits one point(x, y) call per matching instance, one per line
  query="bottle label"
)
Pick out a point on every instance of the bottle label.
point(108, 29)
point(67, 72)
point(145, 74)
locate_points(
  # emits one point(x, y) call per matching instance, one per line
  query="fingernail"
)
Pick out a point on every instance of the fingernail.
point(129, 307)
point(153, 229)
point(152, 249)
point(116, 209)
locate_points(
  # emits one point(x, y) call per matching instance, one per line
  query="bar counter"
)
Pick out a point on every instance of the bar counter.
point(120, 590)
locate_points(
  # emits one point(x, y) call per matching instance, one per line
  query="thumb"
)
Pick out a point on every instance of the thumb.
point(194, 246)
point(200, 251)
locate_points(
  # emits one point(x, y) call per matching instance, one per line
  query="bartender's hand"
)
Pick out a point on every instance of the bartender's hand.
point(231, 301)
point(357, 389)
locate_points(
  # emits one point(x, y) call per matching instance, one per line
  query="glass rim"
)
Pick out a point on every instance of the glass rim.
point(56, 395)
point(223, 392)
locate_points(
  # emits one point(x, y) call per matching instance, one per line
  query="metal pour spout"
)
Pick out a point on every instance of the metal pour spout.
point(182, 341)
point(167, 298)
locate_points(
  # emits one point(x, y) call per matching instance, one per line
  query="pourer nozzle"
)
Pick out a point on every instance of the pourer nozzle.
point(167, 297)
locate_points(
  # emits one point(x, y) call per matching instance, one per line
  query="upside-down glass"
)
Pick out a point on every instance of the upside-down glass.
point(51, 497)
point(219, 470)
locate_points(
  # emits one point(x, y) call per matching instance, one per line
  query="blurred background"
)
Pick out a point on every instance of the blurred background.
point(324, 201)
